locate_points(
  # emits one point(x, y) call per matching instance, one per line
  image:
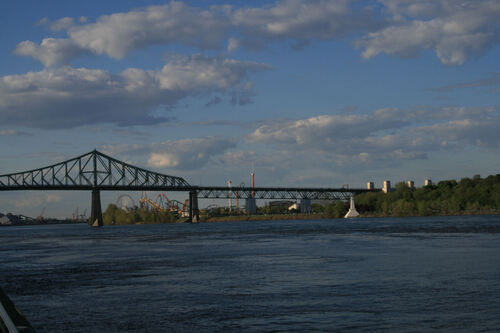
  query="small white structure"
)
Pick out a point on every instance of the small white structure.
point(411, 184)
point(352, 210)
point(428, 182)
point(370, 186)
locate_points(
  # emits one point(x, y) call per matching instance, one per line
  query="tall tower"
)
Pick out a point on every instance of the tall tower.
point(253, 182)
point(230, 199)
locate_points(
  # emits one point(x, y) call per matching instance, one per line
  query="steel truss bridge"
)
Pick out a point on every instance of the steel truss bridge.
point(97, 172)
point(290, 193)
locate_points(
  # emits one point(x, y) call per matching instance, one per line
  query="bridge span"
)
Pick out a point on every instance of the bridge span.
point(97, 172)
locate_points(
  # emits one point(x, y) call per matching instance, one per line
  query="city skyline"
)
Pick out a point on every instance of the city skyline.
point(313, 93)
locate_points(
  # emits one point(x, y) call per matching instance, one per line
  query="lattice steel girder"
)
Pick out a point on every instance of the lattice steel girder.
point(88, 171)
point(277, 193)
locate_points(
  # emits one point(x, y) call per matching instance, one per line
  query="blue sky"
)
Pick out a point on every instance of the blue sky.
point(313, 93)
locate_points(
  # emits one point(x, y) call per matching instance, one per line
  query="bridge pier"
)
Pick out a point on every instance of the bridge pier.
point(194, 213)
point(305, 206)
point(250, 205)
point(96, 214)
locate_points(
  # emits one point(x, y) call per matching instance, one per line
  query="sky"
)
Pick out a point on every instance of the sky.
point(311, 93)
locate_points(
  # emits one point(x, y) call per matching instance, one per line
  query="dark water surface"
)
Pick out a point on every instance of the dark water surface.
point(366, 275)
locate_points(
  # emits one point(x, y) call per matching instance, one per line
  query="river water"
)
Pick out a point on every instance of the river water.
point(365, 275)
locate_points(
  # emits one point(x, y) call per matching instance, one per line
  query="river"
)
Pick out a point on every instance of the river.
point(365, 275)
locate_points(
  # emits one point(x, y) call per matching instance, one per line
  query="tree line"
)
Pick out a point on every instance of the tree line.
point(116, 215)
point(448, 197)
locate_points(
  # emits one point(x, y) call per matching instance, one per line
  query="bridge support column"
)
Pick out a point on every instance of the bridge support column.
point(96, 214)
point(194, 213)
point(250, 206)
point(305, 206)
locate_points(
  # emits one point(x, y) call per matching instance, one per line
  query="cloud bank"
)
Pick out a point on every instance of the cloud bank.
point(454, 29)
point(184, 154)
point(382, 137)
point(386, 134)
point(67, 97)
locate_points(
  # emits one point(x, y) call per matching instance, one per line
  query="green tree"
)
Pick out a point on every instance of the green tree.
point(336, 210)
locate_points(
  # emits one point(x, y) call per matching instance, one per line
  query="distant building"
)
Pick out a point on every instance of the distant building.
point(411, 184)
point(370, 186)
point(428, 182)
point(4, 220)
point(387, 186)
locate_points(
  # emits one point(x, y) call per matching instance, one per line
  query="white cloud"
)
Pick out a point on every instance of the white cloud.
point(69, 97)
point(454, 29)
point(188, 153)
point(386, 134)
point(119, 34)
point(185, 154)
point(62, 24)
point(301, 21)
point(51, 51)
point(324, 149)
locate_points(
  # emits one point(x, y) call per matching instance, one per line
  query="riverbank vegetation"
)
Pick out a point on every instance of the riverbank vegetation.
point(449, 197)
point(468, 196)
point(114, 215)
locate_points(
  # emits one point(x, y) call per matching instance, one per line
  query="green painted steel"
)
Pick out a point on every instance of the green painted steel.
point(93, 170)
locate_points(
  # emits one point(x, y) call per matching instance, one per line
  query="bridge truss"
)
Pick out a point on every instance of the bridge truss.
point(288, 193)
point(90, 171)
point(96, 171)
point(93, 171)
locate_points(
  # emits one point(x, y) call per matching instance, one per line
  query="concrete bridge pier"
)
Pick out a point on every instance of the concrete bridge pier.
point(250, 205)
point(305, 206)
point(194, 213)
point(96, 214)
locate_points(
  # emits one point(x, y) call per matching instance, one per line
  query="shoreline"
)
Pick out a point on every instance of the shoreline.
point(320, 216)
point(274, 217)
